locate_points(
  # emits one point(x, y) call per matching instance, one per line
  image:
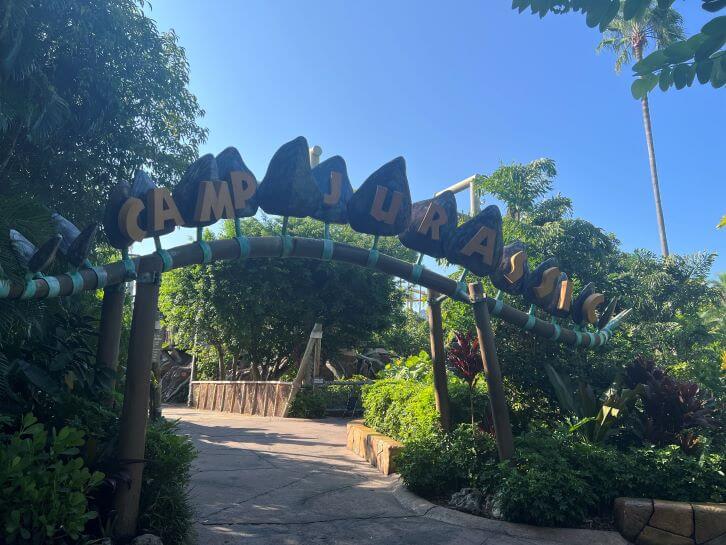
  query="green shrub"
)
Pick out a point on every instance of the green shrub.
point(309, 403)
point(437, 464)
point(165, 508)
point(43, 485)
point(405, 409)
point(556, 479)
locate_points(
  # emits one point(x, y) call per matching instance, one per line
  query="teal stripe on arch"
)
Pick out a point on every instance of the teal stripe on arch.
point(29, 291)
point(53, 286)
point(327, 250)
point(244, 246)
point(206, 251)
point(166, 261)
point(77, 281)
point(416, 271)
point(372, 258)
point(286, 245)
point(101, 277)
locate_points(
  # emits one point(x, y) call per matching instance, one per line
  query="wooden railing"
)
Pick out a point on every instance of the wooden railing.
point(261, 398)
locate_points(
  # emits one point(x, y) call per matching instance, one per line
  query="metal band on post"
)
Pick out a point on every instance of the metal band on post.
point(101, 277)
point(244, 246)
point(53, 286)
point(206, 251)
point(166, 260)
point(327, 254)
point(77, 281)
point(29, 290)
point(416, 271)
point(372, 258)
point(286, 245)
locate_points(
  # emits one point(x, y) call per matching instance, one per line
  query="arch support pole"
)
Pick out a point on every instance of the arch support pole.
point(488, 348)
point(109, 330)
point(438, 357)
point(132, 433)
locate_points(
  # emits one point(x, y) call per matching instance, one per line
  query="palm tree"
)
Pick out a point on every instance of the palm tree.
point(628, 40)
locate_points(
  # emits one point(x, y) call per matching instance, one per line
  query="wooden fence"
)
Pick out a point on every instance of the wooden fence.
point(244, 397)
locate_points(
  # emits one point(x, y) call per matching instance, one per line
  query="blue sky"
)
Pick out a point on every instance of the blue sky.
point(457, 89)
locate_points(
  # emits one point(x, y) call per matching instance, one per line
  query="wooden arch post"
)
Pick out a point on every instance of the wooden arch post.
point(488, 348)
point(109, 329)
point(436, 334)
point(132, 433)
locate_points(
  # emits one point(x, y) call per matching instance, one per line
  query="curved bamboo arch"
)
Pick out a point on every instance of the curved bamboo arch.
point(295, 247)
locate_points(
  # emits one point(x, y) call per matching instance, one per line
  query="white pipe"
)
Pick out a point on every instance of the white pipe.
point(315, 153)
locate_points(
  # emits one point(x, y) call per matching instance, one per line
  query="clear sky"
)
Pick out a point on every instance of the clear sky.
point(457, 88)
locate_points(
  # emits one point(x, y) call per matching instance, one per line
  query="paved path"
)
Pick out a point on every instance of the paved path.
point(274, 481)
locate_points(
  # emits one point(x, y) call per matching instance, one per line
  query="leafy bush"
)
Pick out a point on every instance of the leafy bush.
point(43, 484)
point(673, 410)
point(405, 409)
point(165, 508)
point(418, 368)
point(437, 464)
point(309, 403)
point(556, 479)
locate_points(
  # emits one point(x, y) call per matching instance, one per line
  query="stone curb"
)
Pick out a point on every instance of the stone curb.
point(566, 536)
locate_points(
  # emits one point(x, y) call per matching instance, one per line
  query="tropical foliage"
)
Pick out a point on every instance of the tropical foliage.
point(228, 306)
point(702, 55)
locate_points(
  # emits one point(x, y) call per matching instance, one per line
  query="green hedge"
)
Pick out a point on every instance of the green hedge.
point(556, 480)
point(405, 409)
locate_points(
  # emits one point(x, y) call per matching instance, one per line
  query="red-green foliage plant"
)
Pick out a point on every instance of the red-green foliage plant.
point(464, 359)
point(673, 410)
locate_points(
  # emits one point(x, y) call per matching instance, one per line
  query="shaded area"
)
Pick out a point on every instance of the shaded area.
point(290, 481)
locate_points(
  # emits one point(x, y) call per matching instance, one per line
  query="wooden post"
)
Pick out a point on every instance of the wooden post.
point(155, 393)
point(192, 367)
point(436, 334)
point(497, 399)
point(109, 331)
point(132, 432)
point(316, 333)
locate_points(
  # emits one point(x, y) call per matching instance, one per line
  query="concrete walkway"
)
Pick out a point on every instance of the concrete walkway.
point(261, 480)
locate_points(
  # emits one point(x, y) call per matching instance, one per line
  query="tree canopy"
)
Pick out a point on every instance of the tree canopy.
point(677, 64)
point(91, 91)
point(261, 312)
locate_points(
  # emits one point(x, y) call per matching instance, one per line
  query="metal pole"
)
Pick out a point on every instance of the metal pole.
point(132, 433)
point(474, 204)
point(109, 331)
point(315, 153)
point(436, 333)
point(488, 347)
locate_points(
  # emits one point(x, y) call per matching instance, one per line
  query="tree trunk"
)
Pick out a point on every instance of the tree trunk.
point(220, 362)
point(653, 168)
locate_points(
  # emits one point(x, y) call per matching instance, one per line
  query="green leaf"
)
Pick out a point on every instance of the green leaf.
point(682, 74)
point(709, 46)
point(642, 86)
point(634, 8)
point(715, 27)
point(678, 52)
point(704, 70)
point(654, 61)
point(713, 5)
point(596, 13)
point(665, 4)
point(610, 14)
point(665, 79)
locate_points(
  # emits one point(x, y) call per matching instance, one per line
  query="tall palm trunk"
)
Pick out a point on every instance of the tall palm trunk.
point(653, 169)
